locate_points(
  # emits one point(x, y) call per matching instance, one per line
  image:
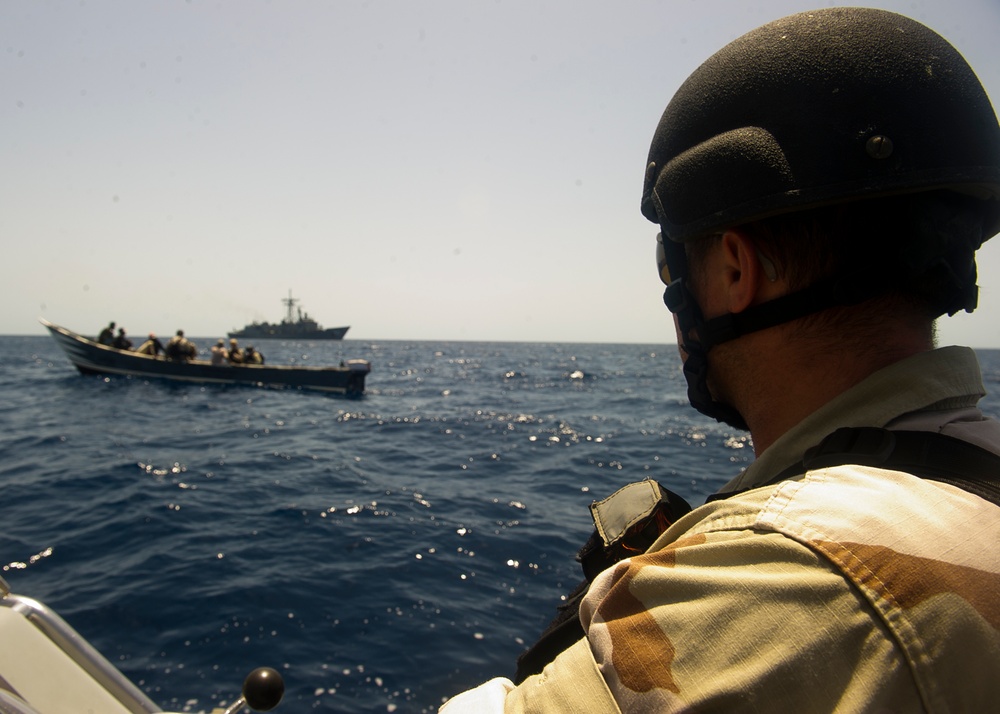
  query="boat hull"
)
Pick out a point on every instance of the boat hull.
point(90, 357)
point(288, 332)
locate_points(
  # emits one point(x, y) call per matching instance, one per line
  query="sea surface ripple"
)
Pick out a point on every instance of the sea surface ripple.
point(383, 553)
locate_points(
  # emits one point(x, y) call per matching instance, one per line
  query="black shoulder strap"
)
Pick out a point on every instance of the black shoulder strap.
point(925, 454)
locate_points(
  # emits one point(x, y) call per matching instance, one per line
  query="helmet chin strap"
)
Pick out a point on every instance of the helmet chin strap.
point(699, 335)
point(681, 302)
point(696, 374)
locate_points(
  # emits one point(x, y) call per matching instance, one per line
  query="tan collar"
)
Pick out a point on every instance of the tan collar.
point(945, 378)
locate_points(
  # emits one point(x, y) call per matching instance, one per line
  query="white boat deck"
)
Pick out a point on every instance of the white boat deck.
point(46, 667)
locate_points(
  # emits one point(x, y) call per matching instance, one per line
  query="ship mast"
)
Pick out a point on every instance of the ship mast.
point(289, 302)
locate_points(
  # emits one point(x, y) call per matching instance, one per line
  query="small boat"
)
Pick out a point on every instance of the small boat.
point(91, 357)
point(302, 328)
point(47, 667)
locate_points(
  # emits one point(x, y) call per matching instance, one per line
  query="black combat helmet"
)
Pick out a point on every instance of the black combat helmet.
point(812, 110)
point(883, 105)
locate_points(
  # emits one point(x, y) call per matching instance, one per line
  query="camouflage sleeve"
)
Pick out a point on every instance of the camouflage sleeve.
point(570, 684)
point(740, 620)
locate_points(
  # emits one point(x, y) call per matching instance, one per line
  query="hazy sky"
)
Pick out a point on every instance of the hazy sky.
point(417, 169)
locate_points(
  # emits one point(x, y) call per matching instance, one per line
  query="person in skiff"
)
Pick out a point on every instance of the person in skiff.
point(107, 335)
point(252, 356)
point(235, 353)
point(152, 346)
point(121, 341)
point(180, 348)
point(821, 186)
point(219, 354)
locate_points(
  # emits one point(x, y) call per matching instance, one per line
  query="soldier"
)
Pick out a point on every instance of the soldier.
point(821, 186)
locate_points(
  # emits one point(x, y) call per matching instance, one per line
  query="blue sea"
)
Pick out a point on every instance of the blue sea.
point(382, 553)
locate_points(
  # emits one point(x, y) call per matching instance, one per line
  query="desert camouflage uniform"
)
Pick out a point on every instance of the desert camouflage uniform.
point(850, 589)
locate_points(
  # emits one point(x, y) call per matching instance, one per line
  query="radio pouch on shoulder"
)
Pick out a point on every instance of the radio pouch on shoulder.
point(626, 523)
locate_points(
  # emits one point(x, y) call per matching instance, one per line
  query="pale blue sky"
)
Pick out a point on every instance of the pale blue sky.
point(452, 169)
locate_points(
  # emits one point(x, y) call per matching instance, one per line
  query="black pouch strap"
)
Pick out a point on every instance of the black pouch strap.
point(625, 524)
point(925, 454)
point(563, 632)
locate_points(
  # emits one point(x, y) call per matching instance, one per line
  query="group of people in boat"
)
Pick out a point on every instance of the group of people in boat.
point(180, 348)
point(235, 355)
point(109, 338)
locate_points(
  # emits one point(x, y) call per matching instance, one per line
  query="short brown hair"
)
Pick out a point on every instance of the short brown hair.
point(920, 247)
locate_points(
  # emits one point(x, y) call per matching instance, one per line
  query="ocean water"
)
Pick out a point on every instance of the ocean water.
point(382, 553)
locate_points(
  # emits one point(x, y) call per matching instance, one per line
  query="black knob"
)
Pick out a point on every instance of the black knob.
point(263, 689)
